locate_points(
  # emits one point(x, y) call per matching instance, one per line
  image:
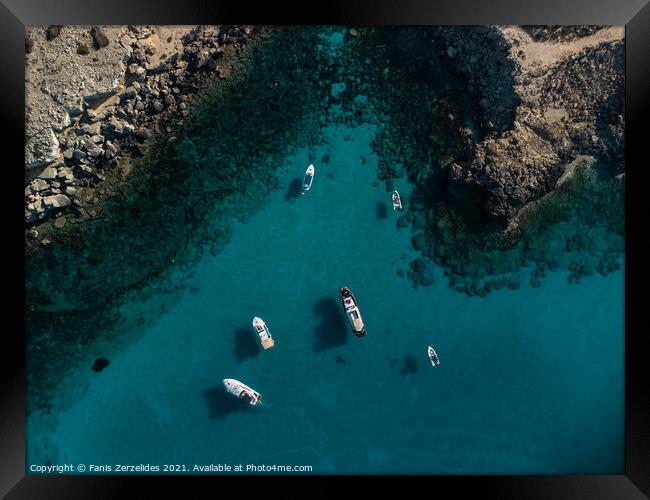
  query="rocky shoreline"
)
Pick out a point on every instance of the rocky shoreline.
point(540, 105)
point(515, 147)
point(533, 114)
point(119, 81)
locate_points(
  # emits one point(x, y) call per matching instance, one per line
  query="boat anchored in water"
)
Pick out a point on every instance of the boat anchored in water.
point(264, 333)
point(309, 178)
point(352, 312)
point(242, 391)
point(433, 356)
point(397, 201)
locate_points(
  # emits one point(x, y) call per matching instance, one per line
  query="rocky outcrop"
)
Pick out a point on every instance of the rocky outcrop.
point(568, 103)
point(85, 112)
point(514, 147)
point(480, 56)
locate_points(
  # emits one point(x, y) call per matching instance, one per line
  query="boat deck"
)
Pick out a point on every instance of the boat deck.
point(268, 343)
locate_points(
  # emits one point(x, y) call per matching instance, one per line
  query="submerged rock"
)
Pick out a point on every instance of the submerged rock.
point(100, 364)
point(422, 272)
point(337, 89)
point(402, 221)
point(418, 241)
point(514, 283)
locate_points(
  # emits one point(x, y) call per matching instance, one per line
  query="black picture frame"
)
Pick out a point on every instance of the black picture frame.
point(634, 14)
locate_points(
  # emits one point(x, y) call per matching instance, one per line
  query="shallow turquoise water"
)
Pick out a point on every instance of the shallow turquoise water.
point(530, 381)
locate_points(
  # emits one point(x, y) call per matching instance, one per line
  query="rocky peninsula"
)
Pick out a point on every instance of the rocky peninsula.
point(545, 97)
point(514, 139)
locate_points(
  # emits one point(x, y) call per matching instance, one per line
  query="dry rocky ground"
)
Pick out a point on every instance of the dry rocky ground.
point(94, 95)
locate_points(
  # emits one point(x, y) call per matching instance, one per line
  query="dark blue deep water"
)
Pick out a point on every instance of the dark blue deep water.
point(529, 381)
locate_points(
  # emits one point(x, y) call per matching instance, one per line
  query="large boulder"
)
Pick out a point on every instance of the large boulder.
point(56, 201)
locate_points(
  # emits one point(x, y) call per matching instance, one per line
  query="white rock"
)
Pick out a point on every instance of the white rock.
point(48, 173)
point(39, 184)
point(56, 201)
point(64, 173)
point(202, 59)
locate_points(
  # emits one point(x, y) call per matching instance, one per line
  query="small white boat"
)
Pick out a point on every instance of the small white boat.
point(242, 391)
point(397, 201)
point(309, 178)
point(349, 303)
point(433, 356)
point(264, 333)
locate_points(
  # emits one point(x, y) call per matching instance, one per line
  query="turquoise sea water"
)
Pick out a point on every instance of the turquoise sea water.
point(529, 381)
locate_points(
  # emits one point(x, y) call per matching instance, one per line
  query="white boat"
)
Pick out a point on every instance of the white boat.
point(242, 391)
point(433, 356)
point(264, 333)
point(309, 178)
point(397, 201)
point(352, 312)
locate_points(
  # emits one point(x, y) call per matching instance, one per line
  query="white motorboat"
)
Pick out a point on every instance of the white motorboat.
point(242, 391)
point(309, 178)
point(433, 356)
point(263, 332)
point(352, 312)
point(397, 201)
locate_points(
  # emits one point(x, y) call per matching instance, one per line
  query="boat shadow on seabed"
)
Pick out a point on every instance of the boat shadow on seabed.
point(332, 330)
point(221, 404)
point(246, 344)
point(294, 190)
point(381, 211)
